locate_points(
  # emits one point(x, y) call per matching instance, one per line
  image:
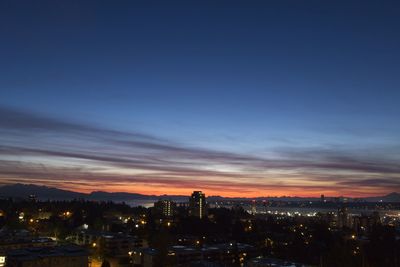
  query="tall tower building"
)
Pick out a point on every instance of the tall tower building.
point(343, 218)
point(253, 207)
point(165, 207)
point(197, 204)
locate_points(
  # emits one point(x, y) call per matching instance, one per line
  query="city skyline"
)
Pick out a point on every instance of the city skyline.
point(246, 99)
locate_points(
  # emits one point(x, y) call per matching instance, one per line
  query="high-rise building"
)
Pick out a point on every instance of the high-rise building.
point(343, 218)
point(165, 207)
point(197, 204)
point(253, 207)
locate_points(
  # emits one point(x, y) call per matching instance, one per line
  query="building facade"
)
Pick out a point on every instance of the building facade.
point(60, 256)
point(165, 208)
point(198, 204)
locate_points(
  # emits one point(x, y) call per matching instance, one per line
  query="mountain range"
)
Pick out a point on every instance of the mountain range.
point(51, 193)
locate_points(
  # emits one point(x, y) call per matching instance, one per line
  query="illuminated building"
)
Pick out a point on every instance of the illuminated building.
point(165, 207)
point(114, 244)
point(343, 218)
point(253, 207)
point(8, 243)
point(225, 253)
point(197, 204)
point(365, 222)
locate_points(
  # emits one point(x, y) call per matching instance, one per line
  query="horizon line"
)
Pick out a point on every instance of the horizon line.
point(232, 197)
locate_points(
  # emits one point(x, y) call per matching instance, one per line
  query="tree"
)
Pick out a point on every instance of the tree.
point(105, 264)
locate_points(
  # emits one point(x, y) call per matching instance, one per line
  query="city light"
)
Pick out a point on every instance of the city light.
point(199, 133)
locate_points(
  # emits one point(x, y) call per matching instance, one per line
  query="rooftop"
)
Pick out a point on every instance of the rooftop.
point(36, 253)
point(274, 263)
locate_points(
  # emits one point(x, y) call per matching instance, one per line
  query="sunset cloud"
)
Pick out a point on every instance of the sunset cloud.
point(78, 156)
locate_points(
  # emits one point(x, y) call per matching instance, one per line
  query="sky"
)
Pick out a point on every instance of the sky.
point(235, 98)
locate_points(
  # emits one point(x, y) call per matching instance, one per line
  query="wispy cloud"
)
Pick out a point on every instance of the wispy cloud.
point(82, 156)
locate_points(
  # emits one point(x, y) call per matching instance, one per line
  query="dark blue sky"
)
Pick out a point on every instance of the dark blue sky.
point(248, 77)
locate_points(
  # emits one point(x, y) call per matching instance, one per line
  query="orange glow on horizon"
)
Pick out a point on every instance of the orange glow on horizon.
point(223, 189)
point(247, 193)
